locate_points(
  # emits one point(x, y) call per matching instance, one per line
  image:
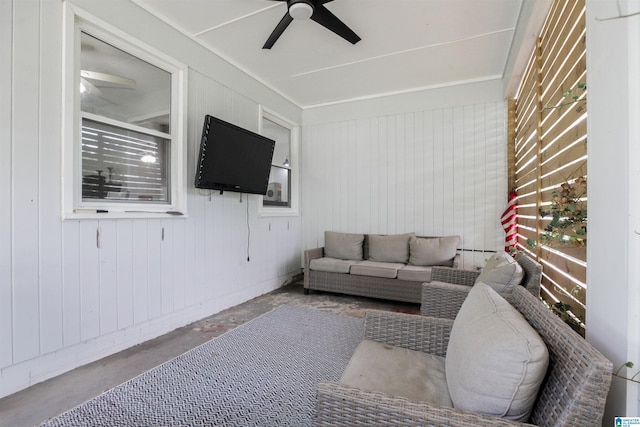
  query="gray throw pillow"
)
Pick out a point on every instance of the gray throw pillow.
point(393, 248)
point(495, 360)
point(343, 245)
point(502, 272)
point(433, 251)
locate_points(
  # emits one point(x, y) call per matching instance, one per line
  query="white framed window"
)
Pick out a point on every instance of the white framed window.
point(124, 121)
point(282, 198)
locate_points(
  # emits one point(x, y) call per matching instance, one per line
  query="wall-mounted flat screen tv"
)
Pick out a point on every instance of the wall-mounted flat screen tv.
point(233, 159)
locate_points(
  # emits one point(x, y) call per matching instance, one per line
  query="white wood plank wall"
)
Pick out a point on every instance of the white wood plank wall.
point(64, 301)
point(437, 172)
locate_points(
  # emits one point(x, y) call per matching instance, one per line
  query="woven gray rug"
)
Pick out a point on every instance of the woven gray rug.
point(262, 373)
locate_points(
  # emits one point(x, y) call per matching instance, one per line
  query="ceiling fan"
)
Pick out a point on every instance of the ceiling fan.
point(118, 81)
point(314, 9)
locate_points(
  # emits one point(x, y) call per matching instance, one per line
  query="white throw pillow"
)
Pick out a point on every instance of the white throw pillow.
point(343, 245)
point(433, 251)
point(502, 272)
point(495, 360)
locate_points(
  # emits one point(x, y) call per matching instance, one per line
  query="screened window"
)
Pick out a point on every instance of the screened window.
point(123, 158)
point(124, 142)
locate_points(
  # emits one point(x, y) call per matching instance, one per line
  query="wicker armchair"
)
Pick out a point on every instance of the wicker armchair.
point(573, 393)
point(446, 292)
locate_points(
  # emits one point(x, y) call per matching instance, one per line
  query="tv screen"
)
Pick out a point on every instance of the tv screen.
point(233, 159)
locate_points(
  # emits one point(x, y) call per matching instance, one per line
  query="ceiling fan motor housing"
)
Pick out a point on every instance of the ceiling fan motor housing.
point(314, 9)
point(300, 9)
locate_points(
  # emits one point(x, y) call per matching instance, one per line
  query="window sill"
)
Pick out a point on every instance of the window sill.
point(79, 214)
point(279, 212)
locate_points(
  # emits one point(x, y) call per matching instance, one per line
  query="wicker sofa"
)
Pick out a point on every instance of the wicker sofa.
point(377, 266)
point(572, 393)
point(443, 296)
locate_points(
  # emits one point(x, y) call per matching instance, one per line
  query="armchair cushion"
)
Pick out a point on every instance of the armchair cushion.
point(343, 245)
point(495, 360)
point(433, 251)
point(502, 272)
point(392, 248)
point(397, 371)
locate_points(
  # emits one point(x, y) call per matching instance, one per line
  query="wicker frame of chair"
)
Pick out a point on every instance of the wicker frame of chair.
point(573, 393)
point(449, 287)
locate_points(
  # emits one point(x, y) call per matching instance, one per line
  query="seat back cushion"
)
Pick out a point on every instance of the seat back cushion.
point(392, 248)
point(502, 272)
point(433, 251)
point(495, 360)
point(343, 245)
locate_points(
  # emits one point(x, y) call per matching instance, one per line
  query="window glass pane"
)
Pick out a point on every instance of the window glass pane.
point(280, 177)
point(120, 86)
point(278, 188)
point(123, 165)
point(282, 136)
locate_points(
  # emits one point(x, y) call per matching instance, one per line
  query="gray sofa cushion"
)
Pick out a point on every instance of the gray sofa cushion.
point(343, 245)
point(495, 360)
point(393, 248)
point(415, 273)
point(433, 251)
point(377, 269)
point(502, 272)
point(398, 371)
point(332, 265)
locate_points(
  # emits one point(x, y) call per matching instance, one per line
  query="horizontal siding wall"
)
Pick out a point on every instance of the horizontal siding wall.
point(74, 291)
point(437, 172)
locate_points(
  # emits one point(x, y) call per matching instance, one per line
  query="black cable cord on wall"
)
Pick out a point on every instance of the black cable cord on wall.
point(248, 230)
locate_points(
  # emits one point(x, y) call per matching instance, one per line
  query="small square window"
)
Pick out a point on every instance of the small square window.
point(281, 197)
point(280, 176)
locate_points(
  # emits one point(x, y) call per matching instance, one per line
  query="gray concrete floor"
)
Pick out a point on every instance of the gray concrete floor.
point(42, 401)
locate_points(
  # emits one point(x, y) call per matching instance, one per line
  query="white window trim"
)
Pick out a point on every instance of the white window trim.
point(73, 207)
point(294, 166)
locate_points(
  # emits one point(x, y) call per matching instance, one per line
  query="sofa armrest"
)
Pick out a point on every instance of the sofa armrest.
point(314, 253)
point(442, 300)
point(342, 405)
point(454, 275)
point(419, 333)
point(310, 254)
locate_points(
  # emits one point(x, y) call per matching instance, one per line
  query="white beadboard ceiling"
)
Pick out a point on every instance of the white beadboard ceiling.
point(406, 45)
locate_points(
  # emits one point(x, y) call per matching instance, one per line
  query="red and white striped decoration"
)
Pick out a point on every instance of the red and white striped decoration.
point(508, 220)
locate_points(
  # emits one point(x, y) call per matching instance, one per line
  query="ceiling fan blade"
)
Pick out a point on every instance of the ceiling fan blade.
point(324, 17)
point(277, 32)
point(110, 78)
point(85, 85)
